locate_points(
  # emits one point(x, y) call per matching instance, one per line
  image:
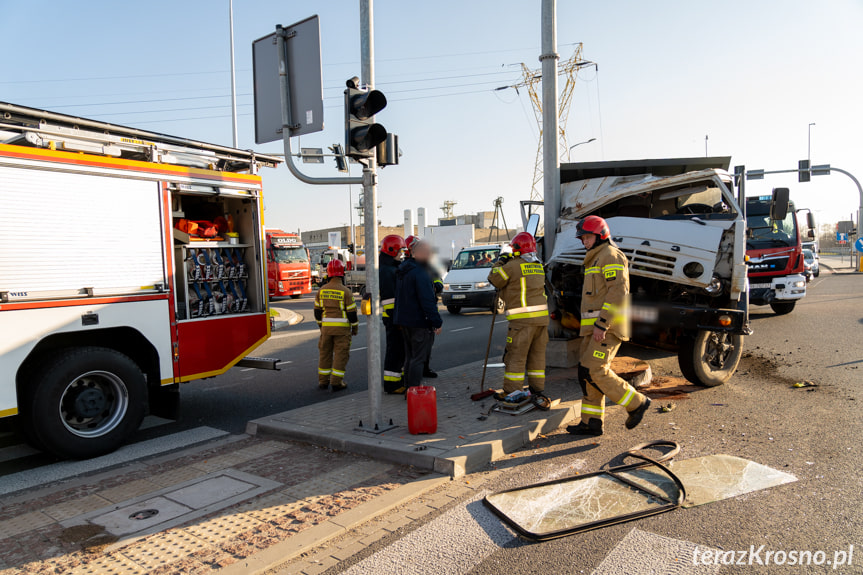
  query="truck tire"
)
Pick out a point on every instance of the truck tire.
point(454, 309)
point(84, 402)
point(709, 358)
point(782, 307)
point(296, 295)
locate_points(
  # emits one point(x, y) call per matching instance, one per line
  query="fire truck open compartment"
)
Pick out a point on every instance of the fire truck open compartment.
point(212, 276)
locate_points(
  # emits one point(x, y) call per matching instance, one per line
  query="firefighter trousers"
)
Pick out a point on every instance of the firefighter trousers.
point(394, 359)
point(334, 352)
point(597, 380)
point(524, 357)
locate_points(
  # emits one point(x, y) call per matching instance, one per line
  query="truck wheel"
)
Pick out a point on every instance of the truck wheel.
point(85, 402)
point(783, 307)
point(296, 296)
point(710, 357)
point(454, 309)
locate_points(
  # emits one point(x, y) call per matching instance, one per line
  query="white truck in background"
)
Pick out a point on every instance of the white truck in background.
point(683, 230)
point(448, 241)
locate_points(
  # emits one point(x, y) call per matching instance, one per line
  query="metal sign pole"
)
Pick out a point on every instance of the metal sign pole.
point(370, 242)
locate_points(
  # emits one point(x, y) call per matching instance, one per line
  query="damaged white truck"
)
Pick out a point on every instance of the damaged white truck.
point(681, 227)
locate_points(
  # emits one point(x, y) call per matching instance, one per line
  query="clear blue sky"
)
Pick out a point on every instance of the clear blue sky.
point(751, 75)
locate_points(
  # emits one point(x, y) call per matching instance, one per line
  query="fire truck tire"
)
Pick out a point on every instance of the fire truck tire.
point(85, 402)
point(782, 307)
point(709, 358)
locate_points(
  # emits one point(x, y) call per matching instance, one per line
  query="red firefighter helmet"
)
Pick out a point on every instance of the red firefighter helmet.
point(523, 243)
point(336, 269)
point(593, 225)
point(410, 241)
point(392, 245)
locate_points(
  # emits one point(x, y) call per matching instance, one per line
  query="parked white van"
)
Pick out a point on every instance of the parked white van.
point(466, 284)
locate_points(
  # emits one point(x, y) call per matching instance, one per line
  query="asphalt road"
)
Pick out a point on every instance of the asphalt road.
point(812, 433)
point(228, 401)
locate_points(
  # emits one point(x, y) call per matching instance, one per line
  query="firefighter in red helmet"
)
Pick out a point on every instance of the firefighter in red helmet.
point(520, 280)
point(392, 248)
point(336, 315)
point(604, 325)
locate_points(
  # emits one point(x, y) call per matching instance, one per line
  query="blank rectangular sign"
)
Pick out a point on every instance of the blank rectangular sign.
point(306, 90)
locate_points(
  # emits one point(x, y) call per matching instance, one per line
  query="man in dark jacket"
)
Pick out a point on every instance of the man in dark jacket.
point(416, 310)
point(394, 359)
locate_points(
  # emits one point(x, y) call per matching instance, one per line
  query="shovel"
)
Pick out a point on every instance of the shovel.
point(483, 393)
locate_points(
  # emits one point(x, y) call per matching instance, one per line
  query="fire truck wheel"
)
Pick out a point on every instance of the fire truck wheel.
point(709, 358)
point(85, 402)
point(782, 307)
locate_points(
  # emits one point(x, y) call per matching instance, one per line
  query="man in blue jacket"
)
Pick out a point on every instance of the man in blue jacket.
point(416, 310)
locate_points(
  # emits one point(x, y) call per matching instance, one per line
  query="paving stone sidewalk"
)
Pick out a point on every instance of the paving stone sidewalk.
point(208, 508)
point(469, 434)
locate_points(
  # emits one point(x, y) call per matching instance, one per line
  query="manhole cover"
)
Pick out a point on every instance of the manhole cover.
point(144, 514)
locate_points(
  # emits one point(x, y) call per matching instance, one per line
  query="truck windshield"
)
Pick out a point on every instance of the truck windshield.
point(764, 232)
point(475, 259)
point(290, 255)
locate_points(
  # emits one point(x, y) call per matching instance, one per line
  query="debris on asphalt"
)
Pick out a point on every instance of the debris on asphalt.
point(667, 407)
point(804, 383)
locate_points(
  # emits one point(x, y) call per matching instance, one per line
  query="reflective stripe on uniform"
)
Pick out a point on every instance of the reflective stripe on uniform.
point(542, 313)
point(612, 267)
point(324, 371)
point(514, 376)
point(388, 302)
point(537, 373)
point(337, 373)
point(523, 292)
point(593, 270)
point(527, 309)
point(392, 376)
point(499, 270)
point(624, 401)
point(592, 409)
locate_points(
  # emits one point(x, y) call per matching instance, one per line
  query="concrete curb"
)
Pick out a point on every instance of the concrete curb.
point(319, 534)
point(286, 318)
point(452, 462)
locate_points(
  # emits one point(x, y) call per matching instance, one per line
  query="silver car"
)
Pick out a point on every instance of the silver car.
point(810, 264)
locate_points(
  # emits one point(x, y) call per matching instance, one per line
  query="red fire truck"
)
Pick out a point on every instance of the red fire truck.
point(131, 262)
point(289, 271)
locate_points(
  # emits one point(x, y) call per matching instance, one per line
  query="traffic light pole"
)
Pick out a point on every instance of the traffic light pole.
point(816, 171)
point(287, 121)
point(370, 200)
point(370, 241)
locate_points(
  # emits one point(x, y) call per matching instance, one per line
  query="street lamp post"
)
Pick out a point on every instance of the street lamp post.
point(809, 144)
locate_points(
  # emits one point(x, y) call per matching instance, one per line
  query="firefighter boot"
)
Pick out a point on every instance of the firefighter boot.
point(636, 415)
point(592, 427)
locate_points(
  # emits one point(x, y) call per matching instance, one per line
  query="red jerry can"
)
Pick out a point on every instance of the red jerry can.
point(422, 409)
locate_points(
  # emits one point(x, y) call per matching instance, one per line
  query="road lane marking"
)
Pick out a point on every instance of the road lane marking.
point(283, 363)
point(461, 329)
point(358, 348)
point(248, 368)
point(501, 321)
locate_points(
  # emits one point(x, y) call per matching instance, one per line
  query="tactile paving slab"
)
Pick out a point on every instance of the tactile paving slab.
point(222, 528)
point(115, 564)
point(163, 549)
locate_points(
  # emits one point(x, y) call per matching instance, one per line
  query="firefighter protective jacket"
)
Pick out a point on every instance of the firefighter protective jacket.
point(605, 295)
point(335, 309)
point(521, 284)
point(387, 266)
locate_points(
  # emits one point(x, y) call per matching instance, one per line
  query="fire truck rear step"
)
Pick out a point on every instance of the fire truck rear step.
point(260, 362)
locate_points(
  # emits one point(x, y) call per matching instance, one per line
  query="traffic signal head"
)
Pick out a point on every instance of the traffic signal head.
point(803, 173)
point(341, 161)
point(362, 135)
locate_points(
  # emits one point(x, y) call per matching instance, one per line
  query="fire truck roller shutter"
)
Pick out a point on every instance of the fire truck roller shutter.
point(63, 232)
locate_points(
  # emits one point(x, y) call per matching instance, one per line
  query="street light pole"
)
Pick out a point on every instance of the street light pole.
point(809, 145)
point(550, 129)
point(233, 74)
